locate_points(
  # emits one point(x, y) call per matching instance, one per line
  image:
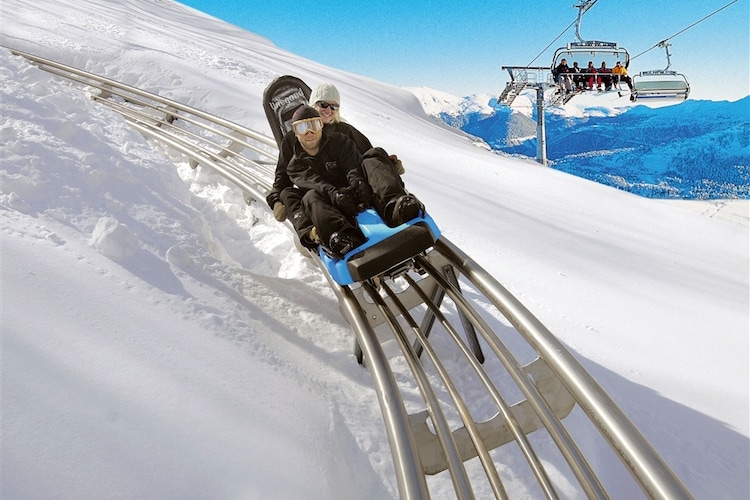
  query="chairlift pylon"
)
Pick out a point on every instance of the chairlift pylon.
point(664, 84)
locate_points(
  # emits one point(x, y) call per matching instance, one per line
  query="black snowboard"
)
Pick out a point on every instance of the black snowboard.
point(281, 99)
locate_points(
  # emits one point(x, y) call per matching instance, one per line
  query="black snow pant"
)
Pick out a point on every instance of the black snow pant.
point(291, 197)
point(326, 218)
point(381, 174)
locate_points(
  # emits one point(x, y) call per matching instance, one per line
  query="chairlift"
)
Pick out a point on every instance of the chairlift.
point(584, 51)
point(594, 51)
point(662, 84)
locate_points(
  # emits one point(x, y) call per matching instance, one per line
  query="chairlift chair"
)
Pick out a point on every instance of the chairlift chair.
point(593, 50)
point(663, 84)
point(582, 51)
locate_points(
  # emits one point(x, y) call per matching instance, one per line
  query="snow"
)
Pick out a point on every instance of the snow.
point(161, 339)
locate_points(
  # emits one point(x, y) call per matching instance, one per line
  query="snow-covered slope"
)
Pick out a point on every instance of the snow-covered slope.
point(160, 339)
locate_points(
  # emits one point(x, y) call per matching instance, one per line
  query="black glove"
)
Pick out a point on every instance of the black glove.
point(346, 202)
point(362, 192)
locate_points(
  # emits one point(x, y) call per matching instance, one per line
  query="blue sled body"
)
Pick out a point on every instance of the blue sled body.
point(385, 247)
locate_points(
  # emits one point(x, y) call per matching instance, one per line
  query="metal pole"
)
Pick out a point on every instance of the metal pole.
point(541, 134)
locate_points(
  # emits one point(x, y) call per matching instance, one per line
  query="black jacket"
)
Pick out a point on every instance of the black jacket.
point(337, 165)
point(361, 142)
point(281, 179)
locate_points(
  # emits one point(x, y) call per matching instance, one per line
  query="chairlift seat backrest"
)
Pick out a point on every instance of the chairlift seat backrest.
point(595, 51)
point(661, 84)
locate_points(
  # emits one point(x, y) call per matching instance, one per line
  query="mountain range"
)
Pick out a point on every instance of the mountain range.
point(696, 150)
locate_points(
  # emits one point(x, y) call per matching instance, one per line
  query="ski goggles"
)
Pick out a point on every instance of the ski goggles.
point(302, 127)
point(326, 105)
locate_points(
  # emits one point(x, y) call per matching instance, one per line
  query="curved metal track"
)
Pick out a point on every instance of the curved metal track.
point(467, 378)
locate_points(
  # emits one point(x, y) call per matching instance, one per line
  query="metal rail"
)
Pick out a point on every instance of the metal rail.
point(528, 386)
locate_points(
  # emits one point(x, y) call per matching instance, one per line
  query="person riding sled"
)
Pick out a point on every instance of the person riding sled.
point(285, 200)
point(325, 169)
point(382, 173)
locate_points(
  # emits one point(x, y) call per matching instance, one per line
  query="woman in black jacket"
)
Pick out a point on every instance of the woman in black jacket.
point(381, 170)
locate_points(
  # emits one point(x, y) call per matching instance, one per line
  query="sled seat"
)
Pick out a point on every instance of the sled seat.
point(385, 248)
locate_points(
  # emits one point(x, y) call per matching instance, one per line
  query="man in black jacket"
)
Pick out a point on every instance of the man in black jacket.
point(284, 198)
point(326, 170)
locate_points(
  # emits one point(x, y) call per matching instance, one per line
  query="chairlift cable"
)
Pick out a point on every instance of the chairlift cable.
point(659, 44)
point(550, 44)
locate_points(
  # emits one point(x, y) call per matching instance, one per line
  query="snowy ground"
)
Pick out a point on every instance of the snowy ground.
point(160, 339)
point(735, 211)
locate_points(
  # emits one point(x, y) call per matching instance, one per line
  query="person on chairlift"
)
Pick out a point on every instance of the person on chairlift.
point(563, 77)
point(620, 74)
point(578, 79)
point(604, 75)
point(590, 75)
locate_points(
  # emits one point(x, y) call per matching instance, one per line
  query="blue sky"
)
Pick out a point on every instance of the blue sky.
point(459, 47)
